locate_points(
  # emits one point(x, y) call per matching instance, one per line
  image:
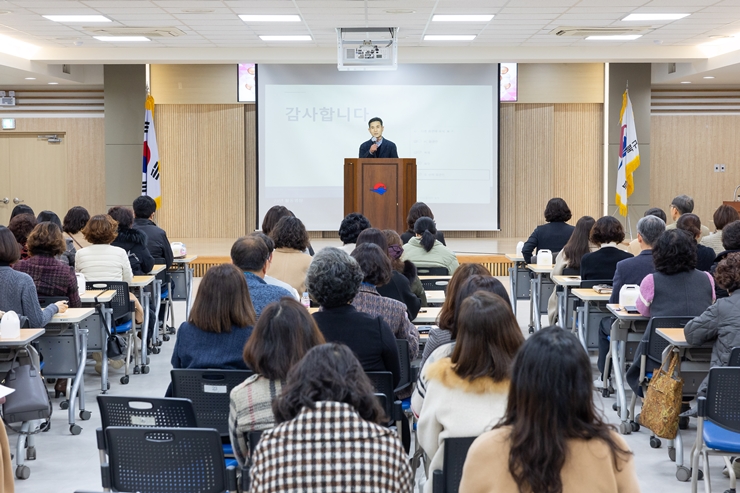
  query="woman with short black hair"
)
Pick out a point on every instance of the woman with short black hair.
point(704, 255)
point(350, 228)
point(132, 240)
point(723, 216)
point(424, 250)
point(21, 226)
point(606, 233)
point(289, 260)
point(551, 236)
point(74, 221)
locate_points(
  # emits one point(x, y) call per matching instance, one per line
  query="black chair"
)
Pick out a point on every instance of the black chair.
point(408, 373)
point(166, 460)
point(45, 301)
point(435, 284)
point(432, 271)
point(448, 479)
point(252, 439)
point(165, 300)
point(383, 382)
point(734, 357)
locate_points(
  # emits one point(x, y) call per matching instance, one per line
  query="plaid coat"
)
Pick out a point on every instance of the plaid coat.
point(330, 449)
point(51, 277)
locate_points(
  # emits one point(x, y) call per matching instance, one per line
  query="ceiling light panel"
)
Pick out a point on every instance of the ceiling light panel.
point(462, 18)
point(121, 39)
point(449, 37)
point(623, 37)
point(76, 19)
point(654, 17)
point(270, 18)
point(301, 37)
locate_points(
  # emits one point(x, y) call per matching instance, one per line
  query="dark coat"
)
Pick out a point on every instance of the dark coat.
point(386, 149)
point(135, 244)
point(704, 258)
point(550, 236)
point(602, 263)
point(631, 271)
point(157, 242)
point(400, 289)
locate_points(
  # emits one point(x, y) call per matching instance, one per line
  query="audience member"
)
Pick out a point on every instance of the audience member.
point(269, 279)
point(417, 211)
point(102, 261)
point(551, 236)
point(282, 336)
point(634, 247)
point(723, 216)
point(272, 216)
point(251, 255)
point(133, 241)
point(328, 389)
point(675, 289)
point(424, 250)
point(157, 242)
point(607, 233)
point(76, 219)
point(731, 244)
point(692, 225)
point(568, 260)
point(68, 256)
point(376, 268)
point(466, 392)
point(333, 281)
point(683, 204)
point(17, 290)
point(220, 323)
point(289, 262)
point(404, 267)
point(21, 226)
point(351, 227)
point(21, 209)
point(552, 438)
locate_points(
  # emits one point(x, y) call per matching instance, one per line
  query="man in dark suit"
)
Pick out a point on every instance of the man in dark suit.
point(377, 146)
point(630, 271)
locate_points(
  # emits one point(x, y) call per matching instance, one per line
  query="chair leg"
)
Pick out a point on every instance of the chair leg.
point(731, 470)
point(707, 481)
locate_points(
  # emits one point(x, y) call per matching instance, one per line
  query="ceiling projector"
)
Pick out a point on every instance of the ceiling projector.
point(367, 48)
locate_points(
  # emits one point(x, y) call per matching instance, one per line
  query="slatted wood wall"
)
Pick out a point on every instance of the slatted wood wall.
point(203, 170)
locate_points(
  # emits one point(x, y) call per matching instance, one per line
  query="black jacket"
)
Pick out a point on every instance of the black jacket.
point(704, 258)
point(400, 289)
point(157, 242)
point(370, 338)
point(386, 149)
point(601, 264)
point(550, 236)
point(405, 237)
point(134, 242)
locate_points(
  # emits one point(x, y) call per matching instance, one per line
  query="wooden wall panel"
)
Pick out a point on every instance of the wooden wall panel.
point(194, 84)
point(685, 149)
point(250, 142)
point(561, 83)
point(202, 164)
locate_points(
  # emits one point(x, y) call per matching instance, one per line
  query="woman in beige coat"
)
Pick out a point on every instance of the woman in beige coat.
point(289, 262)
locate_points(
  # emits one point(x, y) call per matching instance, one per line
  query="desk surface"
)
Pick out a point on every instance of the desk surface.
point(435, 296)
point(570, 281)
point(185, 260)
point(515, 257)
point(27, 335)
point(103, 296)
point(622, 314)
point(141, 281)
point(675, 336)
point(588, 294)
point(427, 315)
point(72, 316)
point(157, 269)
point(540, 269)
point(435, 278)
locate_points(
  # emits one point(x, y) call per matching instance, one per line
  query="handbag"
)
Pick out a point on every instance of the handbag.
point(115, 345)
point(30, 400)
point(662, 405)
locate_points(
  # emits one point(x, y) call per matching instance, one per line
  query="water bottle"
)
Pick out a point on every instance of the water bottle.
point(305, 300)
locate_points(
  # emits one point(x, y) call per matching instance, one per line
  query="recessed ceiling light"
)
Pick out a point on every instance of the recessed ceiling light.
point(3, 12)
point(77, 18)
point(53, 83)
point(462, 18)
point(719, 36)
point(685, 82)
point(301, 37)
point(400, 11)
point(617, 37)
point(654, 17)
point(30, 78)
point(198, 11)
point(271, 18)
point(708, 77)
point(449, 37)
point(123, 39)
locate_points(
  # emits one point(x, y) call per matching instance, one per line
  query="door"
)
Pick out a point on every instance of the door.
point(35, 172)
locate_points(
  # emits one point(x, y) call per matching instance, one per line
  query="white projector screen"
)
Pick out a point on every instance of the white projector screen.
point(311, 117)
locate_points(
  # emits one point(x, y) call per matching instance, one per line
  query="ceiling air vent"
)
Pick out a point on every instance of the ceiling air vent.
point(149, 32)
point(598, 31)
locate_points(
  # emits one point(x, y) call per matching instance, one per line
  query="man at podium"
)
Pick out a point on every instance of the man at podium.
point(377, 146)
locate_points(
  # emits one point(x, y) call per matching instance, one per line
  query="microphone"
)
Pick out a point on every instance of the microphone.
point(374, 139)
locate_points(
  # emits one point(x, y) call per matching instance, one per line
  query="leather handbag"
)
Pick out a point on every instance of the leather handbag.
point(662, 406)
point(30, 400)
point(115, 345)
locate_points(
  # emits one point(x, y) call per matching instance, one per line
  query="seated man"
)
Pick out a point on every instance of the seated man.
point(629, 271)
point(683, 204)
point(157, 242)
point(269, 279)
point(251, 255)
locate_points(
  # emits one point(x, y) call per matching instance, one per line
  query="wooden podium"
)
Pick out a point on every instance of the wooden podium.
point(735, 205)
point(381, 189)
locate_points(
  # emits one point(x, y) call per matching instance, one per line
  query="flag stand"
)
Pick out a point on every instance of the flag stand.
point(627, 218)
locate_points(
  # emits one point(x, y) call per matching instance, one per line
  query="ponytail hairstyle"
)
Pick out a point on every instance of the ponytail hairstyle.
point(426, 227)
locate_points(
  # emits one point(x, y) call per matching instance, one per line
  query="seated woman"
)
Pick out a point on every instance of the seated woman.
point(68, 256)
point(328, 389)
point(676, 289)
point(17, 290)
point(350, 228)
point(568, 261)
point(289, 262)
point(21, 226)
point(275, 214)
point(723, 216)
point(333, 281)
point(466, 392)
point(376, 268)
point(607, 233)
point(424, 250)
point(76, 219)
point(551, 236)
point(404, 267)
point(21, 209)
point(704, 255)
point(132, 240)
point(419, 210)
point(220, 323)
point(283, 335)
point(551, 438)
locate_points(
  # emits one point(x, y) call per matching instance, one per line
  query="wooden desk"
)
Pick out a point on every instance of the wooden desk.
point(623, 314)
point(434, 278)
point(27, 336)
point(187, 259)
point(589, 297)
point(102, 296)
point(674, 336)
point(588, 294)
point(535, 316)
point(141, 281)
point(517, 262)
point(182, 265)
point(564, 299)
point(72, 316)
point(157, 269)
point(427, 315)
point(569, 281)
point(435, 296)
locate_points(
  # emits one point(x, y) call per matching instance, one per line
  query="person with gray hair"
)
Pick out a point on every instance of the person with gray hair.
point(333, 280)
point(630, 271)
point(680, 205)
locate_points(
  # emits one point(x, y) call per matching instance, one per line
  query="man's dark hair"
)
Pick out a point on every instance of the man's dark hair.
point(731, 236)
point(683, 204)
point(374, 119)
point(249, 253)
point(144, 207)
point(268, 241)
point(657, 212)
point(123, 216)
point(674, 252)
point(557, 210)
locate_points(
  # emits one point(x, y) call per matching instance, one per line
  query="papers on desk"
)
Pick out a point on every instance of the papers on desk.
point(603, 289)
point(5, 391)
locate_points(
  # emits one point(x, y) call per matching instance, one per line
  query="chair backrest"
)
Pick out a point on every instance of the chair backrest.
point(163, 276)
point(209, 391)
point(252, 439)
point(45, 301)
point(164, 460)
point(120, 303)
point(456, 450)
point(435, 284)
point(595, 282)
point(148, 412)
point(405, 363)
point(657, 344)
point(734, 357)
point(567, 271)
point(723, 397)
point(432, 271)
point(383, 382)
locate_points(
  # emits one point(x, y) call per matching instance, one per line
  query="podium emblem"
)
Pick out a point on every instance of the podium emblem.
point(379, 188)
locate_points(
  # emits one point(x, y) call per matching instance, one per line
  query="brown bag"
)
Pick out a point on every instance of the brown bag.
point(663, 399)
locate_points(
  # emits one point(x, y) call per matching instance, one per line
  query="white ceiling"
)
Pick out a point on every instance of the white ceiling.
point(520, 30)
